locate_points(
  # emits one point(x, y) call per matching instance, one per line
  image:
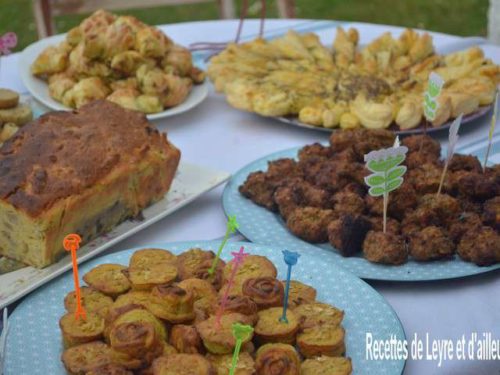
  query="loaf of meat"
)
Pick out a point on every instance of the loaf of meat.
point(78, 172)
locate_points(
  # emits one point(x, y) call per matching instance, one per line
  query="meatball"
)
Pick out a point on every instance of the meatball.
point(392, 225)
point(423, 144)
point(420, 218)
point(315, 150)
point(361, 140)
point(481, 246)
point(334, 176)
point(416, 159)
point(465, 162)
point(347, 233)
point(444, 206)
point(356, 188)
point(346, 202)
point(400, 201)
point(295, 193)
point(431, 243)
point(346, 155)
point(282, 168)
point(475, 185)
point(258, 189)
point(311, 166)
point(385, 248)
point(491, 213)
point(426, 178)
point(465, 222)
point(310, 223)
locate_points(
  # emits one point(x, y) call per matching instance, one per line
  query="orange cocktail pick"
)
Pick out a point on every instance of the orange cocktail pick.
point(72, 243)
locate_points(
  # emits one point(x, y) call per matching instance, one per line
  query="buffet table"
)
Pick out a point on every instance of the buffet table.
point(216, 135)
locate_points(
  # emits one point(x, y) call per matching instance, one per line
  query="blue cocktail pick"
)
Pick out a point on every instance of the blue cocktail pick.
point(291, 259)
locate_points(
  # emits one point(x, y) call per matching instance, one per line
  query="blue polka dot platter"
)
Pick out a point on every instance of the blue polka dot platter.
point(34, 344)
point(259, 225)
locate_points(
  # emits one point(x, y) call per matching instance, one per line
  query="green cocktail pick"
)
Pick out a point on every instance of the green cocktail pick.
point(241, 332)
point(232, 226)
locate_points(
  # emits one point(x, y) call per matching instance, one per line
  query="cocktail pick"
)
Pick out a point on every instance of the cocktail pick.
point(241, 332)
point(452, 142)
point(72, 243)
point(434, 88)
point(231, 227)
point(291, 258)
point(388, 173)
point(492, 129)
point(238, 259)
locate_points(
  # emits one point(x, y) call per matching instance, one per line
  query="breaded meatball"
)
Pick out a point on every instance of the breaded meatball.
point(346, 155)
point(465, 162)
point(385, 248)
point(423, 144)
point(296, 193)
point(280, 169)
point(400, 202)
point(346, 202)
point(491, 213)
point(356, 188)
point(481, 246)
point(334, 176)
point(430, 243)
point(475, 185)
point(310, 167)
point(392, 225)
point(310, 223)
point(315, 150)
point(258, 189)
point(466, 221)
point(445, 206)
point(347, 233)
point(361, 140)
point(420, 218)
point(416, 159)
point(426, 178)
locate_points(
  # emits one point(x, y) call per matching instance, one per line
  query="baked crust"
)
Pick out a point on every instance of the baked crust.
point(183, 364)
point(80, 359)
point(77, 331)
point(312, 314)
point(172, 303)
point(326, 366)
point(223, 363)
point(205, 297)
point(79, 172)
point(91, 299)
point(108, 279)
point(277, 359)
point(185, 339)
point(265, 291)
point(320, 340)
point(270, 328)
point(300, 293)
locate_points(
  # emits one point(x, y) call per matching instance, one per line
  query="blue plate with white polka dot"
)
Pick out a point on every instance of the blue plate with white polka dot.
point(34, 344)
point(265, 227)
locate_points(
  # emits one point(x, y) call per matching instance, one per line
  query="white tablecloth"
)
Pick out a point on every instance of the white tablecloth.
point(219, 136)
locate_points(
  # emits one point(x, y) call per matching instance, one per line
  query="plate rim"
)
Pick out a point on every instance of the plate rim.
point(198, 93)
point(203, 243)
point(228, 191)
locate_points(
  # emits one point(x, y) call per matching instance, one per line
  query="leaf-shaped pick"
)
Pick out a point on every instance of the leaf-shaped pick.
point(453, 137)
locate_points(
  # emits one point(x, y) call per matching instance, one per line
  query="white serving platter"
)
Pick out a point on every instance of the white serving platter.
point(190, 182)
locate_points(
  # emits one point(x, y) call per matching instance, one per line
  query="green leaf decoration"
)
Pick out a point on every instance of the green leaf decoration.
point(430, 102)
point(375, 179)
point(396, 172)
point(385, 164)
point(376, 191)
point(394, 184)
point(433, 89)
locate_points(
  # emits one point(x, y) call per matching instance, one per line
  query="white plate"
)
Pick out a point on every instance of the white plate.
point(40, 90)
point(189, 183)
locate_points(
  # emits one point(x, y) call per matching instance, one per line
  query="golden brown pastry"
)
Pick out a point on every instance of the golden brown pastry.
point(91, 299)
point(205, 297)
point(108, 279)
point(8, 98)
point(299, 293)
point(172, 303)
point(223, 364)
point(190, 261)
point(81, 330)
point(252, 267)
point(110, 369)
point(316, 313)
point(320, 340)
point(220, 339)
point(241, 304)
point(265, 291)
point(185, 339)
point(78, 360)
point(150, 267)
point(270, 327)
point(326, 366)
point(135, 345)
point(277, 359)
point(182, 364)
point(19, 115)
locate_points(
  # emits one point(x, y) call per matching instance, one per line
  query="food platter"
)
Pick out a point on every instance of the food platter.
point(262, 226)
point(190, 182)
point(482, 111)
point(39, 89)
point(34, 345)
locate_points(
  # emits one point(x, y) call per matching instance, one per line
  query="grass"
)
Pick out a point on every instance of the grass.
point(460, 17)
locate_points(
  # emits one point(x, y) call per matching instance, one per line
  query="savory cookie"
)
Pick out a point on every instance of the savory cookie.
point(277, 359)
point(300, 293)
point(150, 267)
point(326, 366)
point(91, 299)
point(83, 358)
point(182, 364)
point(109, 369)
point(322, 339)
point(223, 363)
point(313, 314)
point(270, 327)
point(77, 330)
point(108, 279)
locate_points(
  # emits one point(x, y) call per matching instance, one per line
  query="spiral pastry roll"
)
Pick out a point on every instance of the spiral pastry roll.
point(185, 339)
point(243, 305)
point(150, 267)
point(270, 328)
point(223, 363)
point(83, 358)
point(92, 301)
point(220, 339)
point(110, 369)
point(135, 345)
point(108, 279)
point(322, 340)
point(253, 266)
point(189, 261)
point(326, 366)
point(277, 359)
point(78, 331)
point(265, 291)
point(216, 279)
point(183, 364)
point(205, 297)
point(300, 293)
point(172, 303)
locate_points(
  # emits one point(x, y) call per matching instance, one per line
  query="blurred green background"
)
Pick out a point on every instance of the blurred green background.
point(460, 17)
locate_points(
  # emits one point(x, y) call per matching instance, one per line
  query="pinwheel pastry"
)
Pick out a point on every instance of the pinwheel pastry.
point(378, 86)
point(174, 328)
point(120, 59)
point(322, 197)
